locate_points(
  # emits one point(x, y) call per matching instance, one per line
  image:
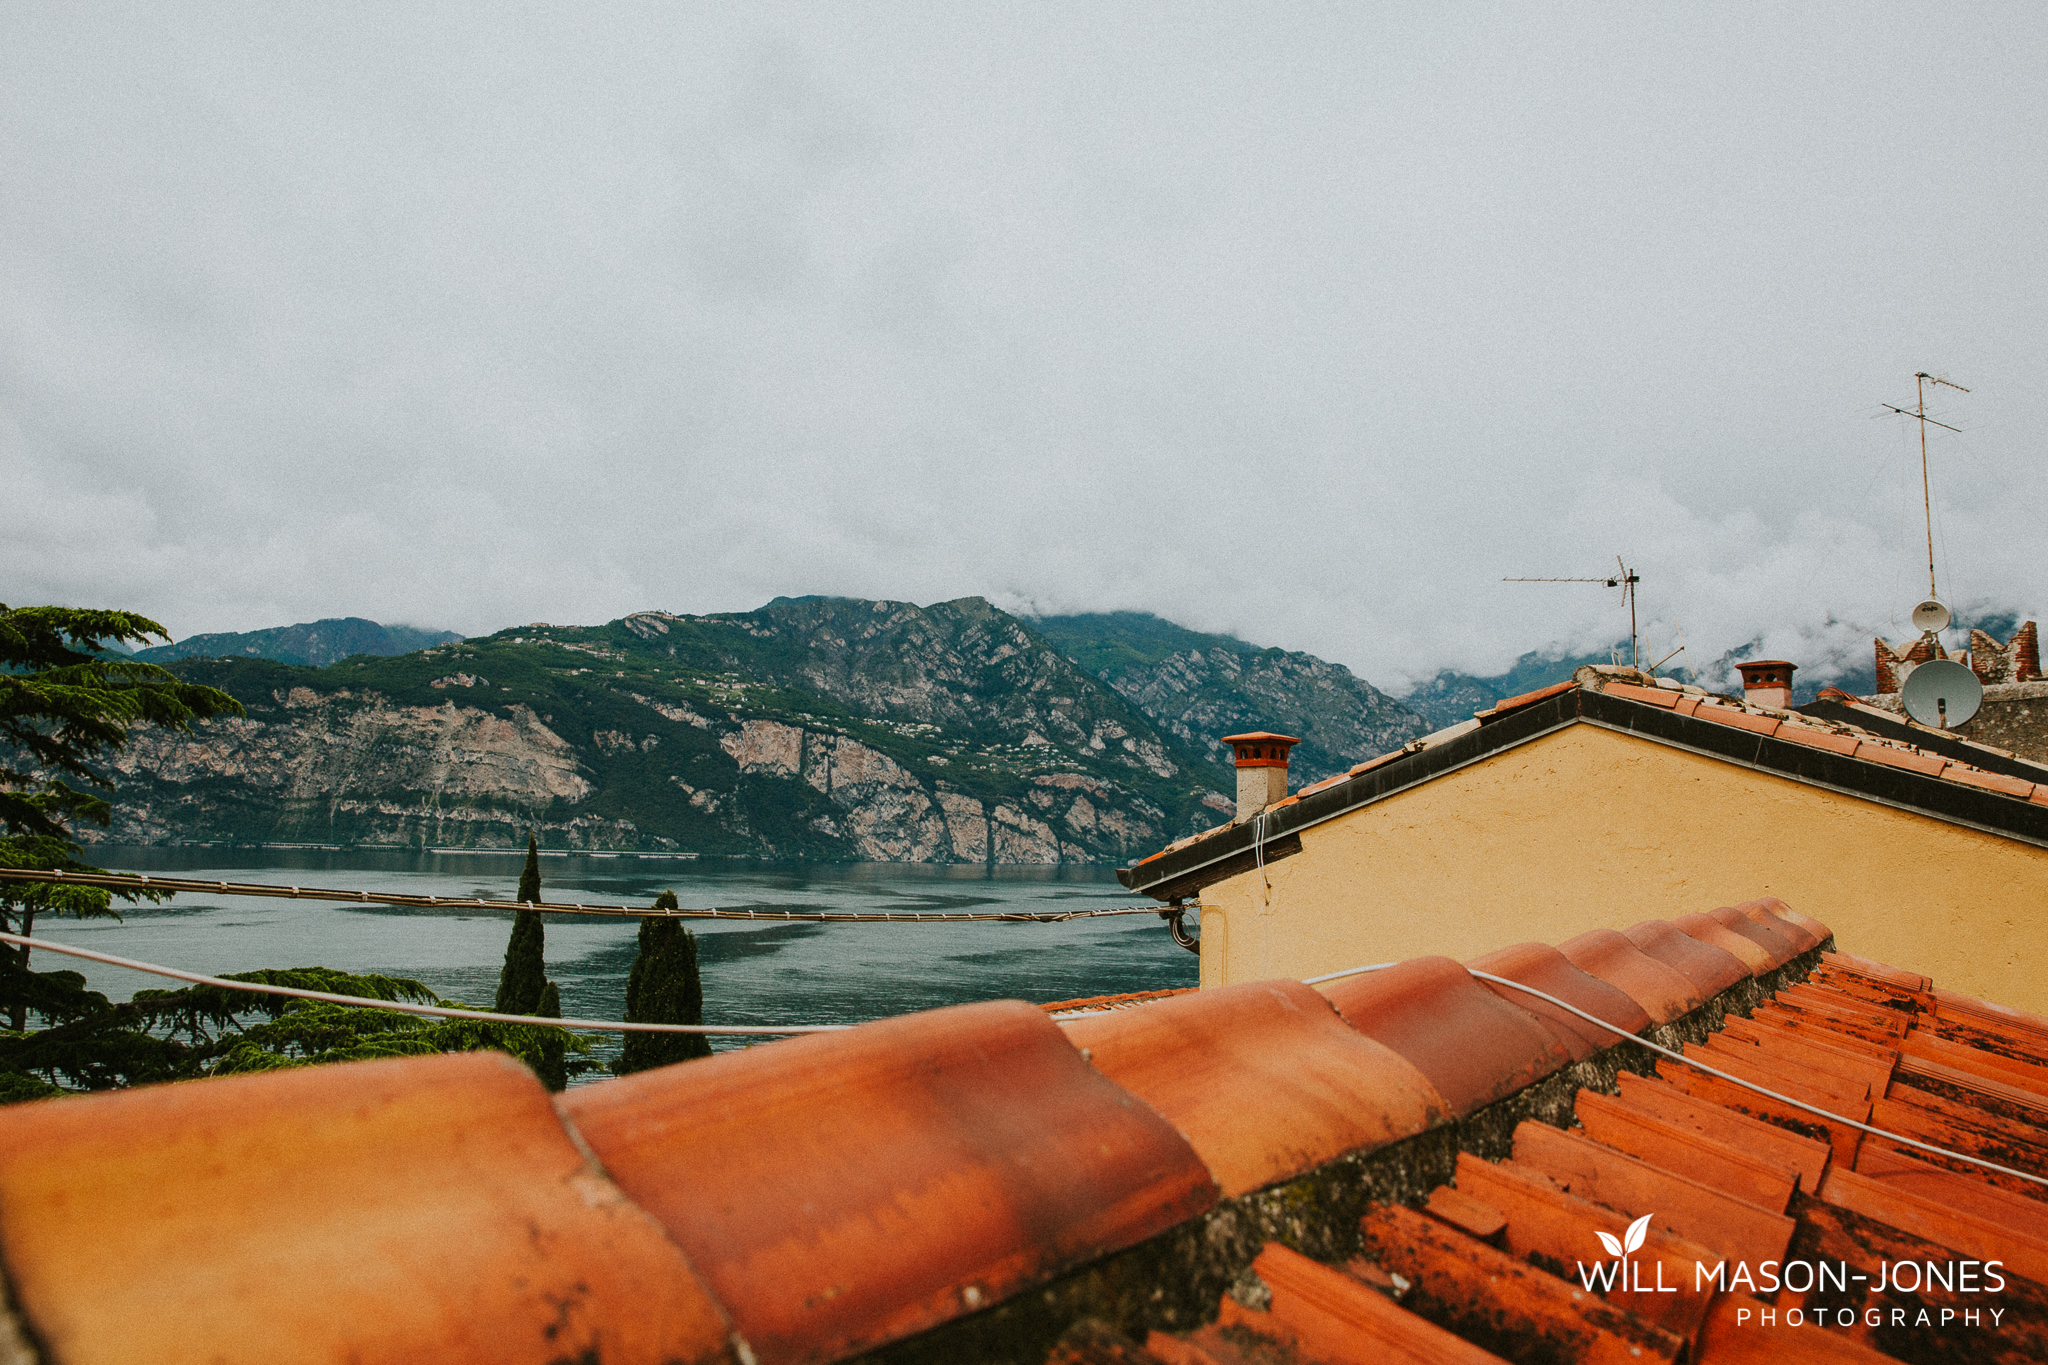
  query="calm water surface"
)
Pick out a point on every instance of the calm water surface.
point(753, 974)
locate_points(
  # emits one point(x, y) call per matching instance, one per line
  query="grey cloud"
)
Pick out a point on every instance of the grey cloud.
point(1309, 323)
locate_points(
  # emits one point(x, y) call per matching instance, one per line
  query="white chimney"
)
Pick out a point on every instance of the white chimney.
point(1261, 769)
point(1767, 682)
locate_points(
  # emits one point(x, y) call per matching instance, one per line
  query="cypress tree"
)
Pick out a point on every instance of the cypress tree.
point(525, 974)
point(665, 987)
point(554, 1061)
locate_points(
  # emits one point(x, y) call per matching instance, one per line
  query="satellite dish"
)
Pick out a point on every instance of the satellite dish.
point(1930, 615)
point(1942, 693)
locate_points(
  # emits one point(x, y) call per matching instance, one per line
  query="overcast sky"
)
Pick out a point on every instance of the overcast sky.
point(1306, 323)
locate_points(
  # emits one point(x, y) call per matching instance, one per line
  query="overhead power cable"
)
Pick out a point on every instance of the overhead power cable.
point(122, 881)
point(407, 1007)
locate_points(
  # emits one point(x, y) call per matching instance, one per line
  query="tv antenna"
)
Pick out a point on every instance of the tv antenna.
point(1919, 414)
point(1626, 580)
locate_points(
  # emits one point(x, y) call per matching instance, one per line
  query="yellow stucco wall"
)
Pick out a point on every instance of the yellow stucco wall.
point(1587, 828)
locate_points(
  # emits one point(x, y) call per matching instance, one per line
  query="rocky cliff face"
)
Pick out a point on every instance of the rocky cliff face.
point(829, 729)
point(1199, 688)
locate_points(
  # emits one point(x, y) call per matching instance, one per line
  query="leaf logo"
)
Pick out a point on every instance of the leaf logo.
point(1638, 1232)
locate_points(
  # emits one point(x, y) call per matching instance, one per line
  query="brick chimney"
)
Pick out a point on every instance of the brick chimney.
point(1261, 769)
point(1768, 682)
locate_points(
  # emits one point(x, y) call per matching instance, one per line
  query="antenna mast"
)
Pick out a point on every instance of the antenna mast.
point(1919, 413)
point(1626, 580)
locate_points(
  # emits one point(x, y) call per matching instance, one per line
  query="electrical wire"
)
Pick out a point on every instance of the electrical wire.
point(408, 1007)
point(145, 882)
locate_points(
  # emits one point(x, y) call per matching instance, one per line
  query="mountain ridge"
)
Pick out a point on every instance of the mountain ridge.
point(314, 644)
point(1200, 687)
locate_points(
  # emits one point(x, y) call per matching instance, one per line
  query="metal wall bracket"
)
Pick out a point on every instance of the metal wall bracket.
point(1175, 916)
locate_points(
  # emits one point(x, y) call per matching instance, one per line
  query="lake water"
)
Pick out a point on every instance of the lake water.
point(753, 974)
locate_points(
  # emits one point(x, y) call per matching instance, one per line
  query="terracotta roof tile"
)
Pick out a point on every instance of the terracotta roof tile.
point(1903, 1170)
point(1812, 1054)
point(1660, 989)
point(2012, 1073)
point(1876, 971)
point(1710, 969)
point(1814, 737)
point(1808, 1157)
point(1842, 1139)
point(1546, 969)
point(1855, 1009)
point(1472, 1046)
point(426, 1209)
point(1494, 1298)
point(1681, 1206)
point(1545, 1221)
point(1338, 1320)
point(1375, 762)
point(1939, 1221)
point(1876, 751)
point(1782, 941)
point(1738, 717)
point(1531, 698)
point(1263, 1079)
point(1772, 905)
point(1744, 1174)
point(841, 1191)
point(1744, 948)
point(1768, 912)
point(1963, 1128)
point(1465, 1213)
point(1781, 1070)
point(1770, 1029)
point(1654, 696)
point(1949, 1004)
point(1998, 782)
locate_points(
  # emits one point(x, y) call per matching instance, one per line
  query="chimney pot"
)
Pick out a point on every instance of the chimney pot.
point(1261, 769)
point(1768, 682)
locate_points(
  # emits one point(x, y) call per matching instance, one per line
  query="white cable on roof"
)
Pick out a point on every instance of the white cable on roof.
point(407, 1007)
point(1711, 1071)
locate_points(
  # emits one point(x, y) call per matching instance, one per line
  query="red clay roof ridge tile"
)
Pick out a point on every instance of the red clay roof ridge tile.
point(1473, 1046)
point(1263, 1079)
point(1547, 969)
point(921, 1167)
point(420, 1209)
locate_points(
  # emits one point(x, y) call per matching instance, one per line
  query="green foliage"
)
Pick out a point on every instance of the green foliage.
point(166, 1035)
point(552, 1068)
point(665, 987)
point(65, 703)
point(529, 876)
point(524, 978)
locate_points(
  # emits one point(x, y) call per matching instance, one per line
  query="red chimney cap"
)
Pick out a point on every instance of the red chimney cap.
point(1261, 748)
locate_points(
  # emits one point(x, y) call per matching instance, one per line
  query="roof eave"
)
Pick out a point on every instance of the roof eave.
point(1181, 873)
